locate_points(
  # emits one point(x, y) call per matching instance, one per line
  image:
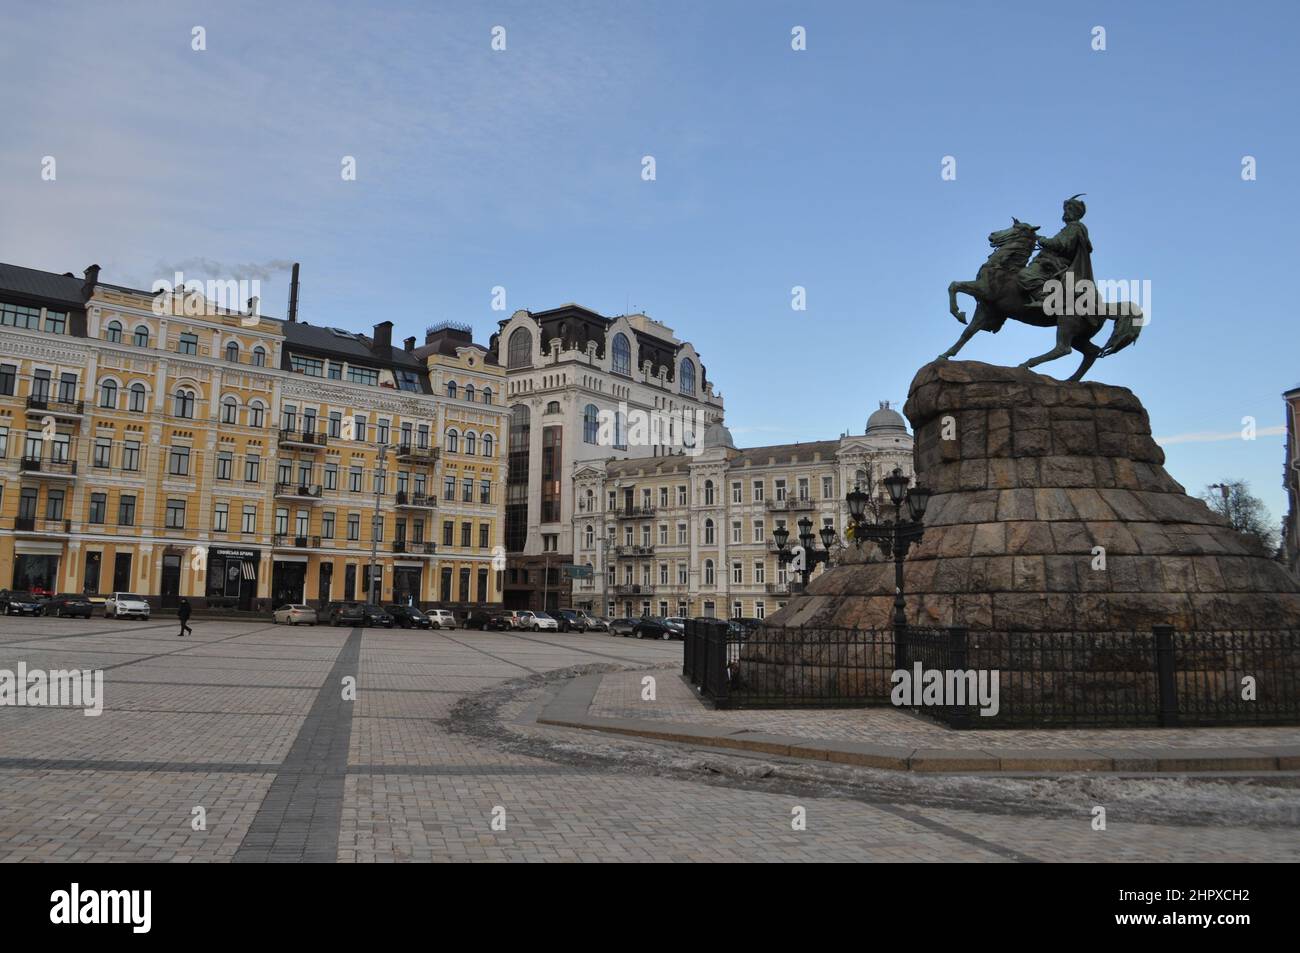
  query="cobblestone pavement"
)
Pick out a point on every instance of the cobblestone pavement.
point(250, 723)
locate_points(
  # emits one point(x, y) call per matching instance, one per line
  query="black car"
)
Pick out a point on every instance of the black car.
point(478, 619)
point(375, 615)
point(69, 604)
point(499, 622)
point(347, 613)
point(20, 603)
point(623, 626)
point(652, 627)
point(408, 617)
point(570, 621)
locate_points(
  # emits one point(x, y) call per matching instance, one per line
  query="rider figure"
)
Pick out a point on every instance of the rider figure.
point(1069, 250)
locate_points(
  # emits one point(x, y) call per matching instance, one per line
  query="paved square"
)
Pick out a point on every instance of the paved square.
point(250, 723)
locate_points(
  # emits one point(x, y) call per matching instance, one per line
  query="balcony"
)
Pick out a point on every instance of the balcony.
point(788, 505)
point(302, 439)
point(634, 512)
point(632, 551)
point(66, 409)
point(414, 549)
point(777, 588)
point(415, 501)
point(42, 527)
point(412, 453)
point(295, 542)
point(60, 469)
point(634, 590)
point(297, 491)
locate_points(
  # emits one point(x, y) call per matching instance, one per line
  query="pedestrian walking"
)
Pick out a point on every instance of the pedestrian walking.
point(183, 613)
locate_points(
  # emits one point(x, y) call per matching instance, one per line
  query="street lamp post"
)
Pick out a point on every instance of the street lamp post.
point(806, 559)
point(894, 537)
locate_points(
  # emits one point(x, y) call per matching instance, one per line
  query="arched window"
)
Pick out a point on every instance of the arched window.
point(142, 336)
point(709, 579)
point(687, 377)
point(256, 414)
point(487, 395)
point(113, 333)
point(471, 442)
point(184, 403)
point(487, 445)
point(589, 536)
point(451, 389)
point(708, 492)
point(259, 356)
point(590, 424)
point(229, 410)
point(138, 395)
point(553, 407)
point(108, 394)
point(232, 352)
point(708, 532)
point(622, 363)
point(469, 393)
point(453, 441)
point(520, 350)
point(620, 432)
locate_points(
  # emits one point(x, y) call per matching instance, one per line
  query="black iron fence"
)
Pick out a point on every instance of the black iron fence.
point(982, 679)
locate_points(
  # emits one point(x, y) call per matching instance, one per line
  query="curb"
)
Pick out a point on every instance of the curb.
point(569, 709)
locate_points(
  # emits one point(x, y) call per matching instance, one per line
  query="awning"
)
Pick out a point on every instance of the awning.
point(250, 571)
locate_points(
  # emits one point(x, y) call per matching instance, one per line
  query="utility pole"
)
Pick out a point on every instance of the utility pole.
point(546, 581)
point(380, 486)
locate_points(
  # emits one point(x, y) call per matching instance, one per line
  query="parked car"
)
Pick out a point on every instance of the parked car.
point(575, 620)
point(538, 621)
point(499, 622)
point(594, 623)
point(479, 619)
point(125, 605)
point(654, 627)
point(295, 614)
point(679, 626)
point(624, 626)
point(442, 618)
point(375, 615)
point(69, 604)
point(346, 613)
point(20, 603)
point(408, 617)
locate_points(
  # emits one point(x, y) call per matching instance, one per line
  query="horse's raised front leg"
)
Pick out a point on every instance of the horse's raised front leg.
point(977, 324)
point(960, 287)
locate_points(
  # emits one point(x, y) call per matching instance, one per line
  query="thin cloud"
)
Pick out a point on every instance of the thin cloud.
point(1208, 436)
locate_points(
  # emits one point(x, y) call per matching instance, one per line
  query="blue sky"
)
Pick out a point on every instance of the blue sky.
point(775, 168)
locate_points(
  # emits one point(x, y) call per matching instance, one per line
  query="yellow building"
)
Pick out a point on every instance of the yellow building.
point(159, 444)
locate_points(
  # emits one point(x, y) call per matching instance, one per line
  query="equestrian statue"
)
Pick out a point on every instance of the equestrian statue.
point(1056, 289)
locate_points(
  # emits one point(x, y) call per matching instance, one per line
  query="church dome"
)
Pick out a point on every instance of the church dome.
point(717, 435)
point(886, 420)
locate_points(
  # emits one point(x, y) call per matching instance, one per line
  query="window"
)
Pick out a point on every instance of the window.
point(681, 495)
point(8, 379)
point(14, 315)
point(469, 393)
point(363, 375)
point(113, 332)
point(229, 410)
point(451, 389)
point(175, 514)
point(252, 468)
point(449, 488)
point(331, 476)
point(249, 524)
point(803, 488)
point(482, 535)
point(359, 428)
point(708, 533)
point(98, 504)
point(336, 423)
point(487, 444)
point(709, 578)
point(310, 366)
point(735, 493)
point(141, 338)
point(131, 456)
point(281, 522)
point(327, 525)
point(259, 356)
point(590, 426)
point(780, 491)
point(663, 534)
point(448, 529)
point(465, 530)
point(487, 395)
point(620, 431)
point(232, 352)
point(354, 526)
point(760, 611)
point(453, 441)
point(663, 497)
point(108, 394)
point(708, 492)
point(125, 510)
point(103, 452)
point(759, 535)
point(188, 344)
point(520, 350)
point(737, 573)
point(184, 404)
point(681, 534)
point(221, 517)
point(687, 377)
point(178, 461)
point(760, 574)
point(681, 574)
point(737, 610)
point(354, 479)
point(622, 355)
point(334, 371)
point(758, 491)
point(55, 322)
point(471, 441)
point(735, 531)
point(137, 398)
point(485, 491)
point(224, 461)
point(828, 484)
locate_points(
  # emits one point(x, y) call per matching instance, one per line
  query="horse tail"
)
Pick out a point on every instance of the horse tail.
point(1128, 325)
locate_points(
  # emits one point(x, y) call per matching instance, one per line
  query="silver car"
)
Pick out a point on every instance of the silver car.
point(126, 605)
point(295, 614)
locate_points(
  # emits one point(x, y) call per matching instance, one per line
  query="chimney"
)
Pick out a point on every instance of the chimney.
point(410, 344)
point(293, 294)
point(383, 339)
point(92, 279)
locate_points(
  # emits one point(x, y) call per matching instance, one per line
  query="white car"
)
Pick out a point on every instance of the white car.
point(537, 621)
point(441, 618)
point(292, 614)
point(125, 605)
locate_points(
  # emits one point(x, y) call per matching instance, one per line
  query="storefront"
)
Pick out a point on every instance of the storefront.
point(232, 577)
point(36, 566)
point(406, 583)
point(288, 580)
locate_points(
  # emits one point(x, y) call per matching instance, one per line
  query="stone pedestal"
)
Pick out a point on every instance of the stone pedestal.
point(1051, 511)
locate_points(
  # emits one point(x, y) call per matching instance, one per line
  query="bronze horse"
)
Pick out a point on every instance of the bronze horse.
point(999, 296)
